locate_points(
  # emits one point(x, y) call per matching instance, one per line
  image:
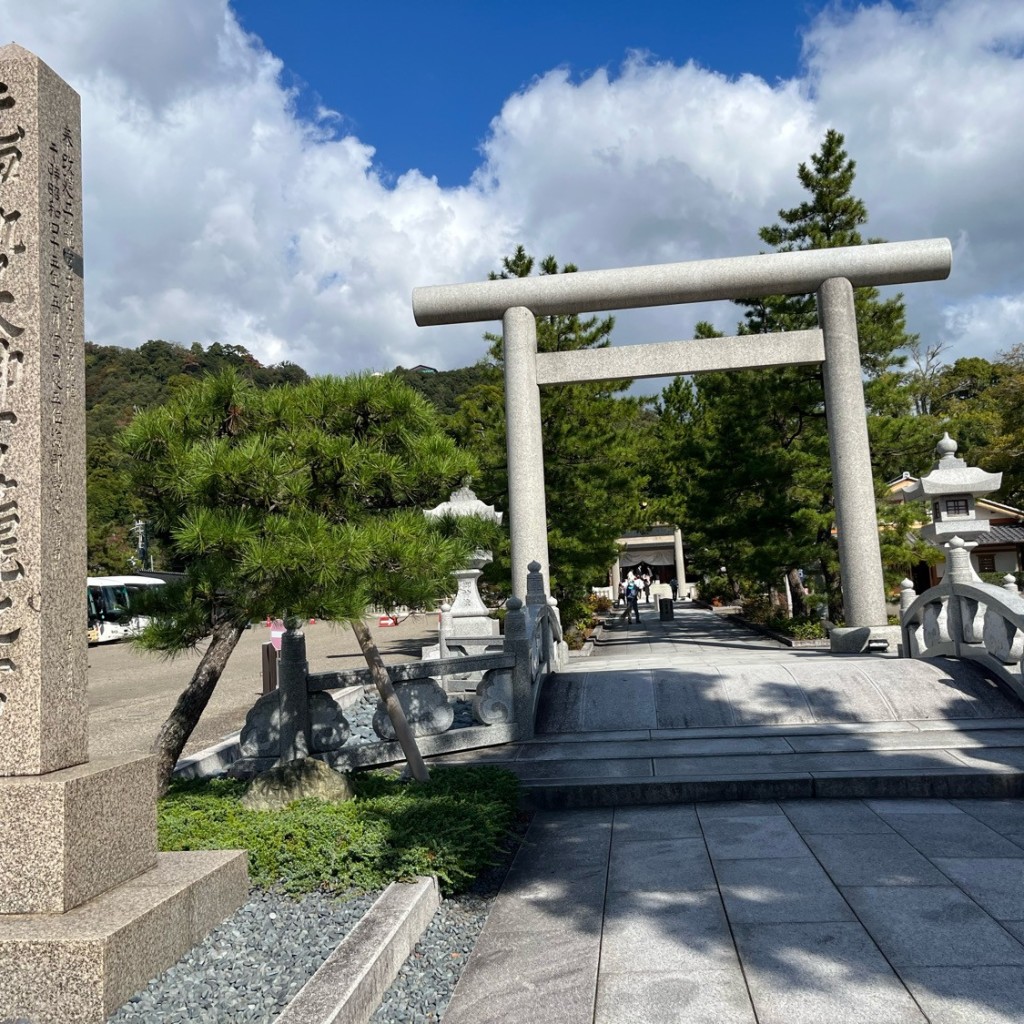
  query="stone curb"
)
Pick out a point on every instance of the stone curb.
point(348, 987)
point(908, 784)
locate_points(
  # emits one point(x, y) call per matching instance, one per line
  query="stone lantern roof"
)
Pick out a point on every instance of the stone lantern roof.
point(464, 502)
point(951, 475)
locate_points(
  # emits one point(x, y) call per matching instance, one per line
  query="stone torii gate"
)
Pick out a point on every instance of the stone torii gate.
point(831, 273)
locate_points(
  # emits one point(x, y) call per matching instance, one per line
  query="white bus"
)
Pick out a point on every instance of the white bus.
point(111, 616)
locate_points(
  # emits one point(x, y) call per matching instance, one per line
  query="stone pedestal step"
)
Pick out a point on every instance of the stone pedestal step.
point(80, 966)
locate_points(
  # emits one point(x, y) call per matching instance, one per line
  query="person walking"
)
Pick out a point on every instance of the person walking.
point(632, 593)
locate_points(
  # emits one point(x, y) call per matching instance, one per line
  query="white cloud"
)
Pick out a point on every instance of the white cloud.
point(214, 213)
point(984, 323)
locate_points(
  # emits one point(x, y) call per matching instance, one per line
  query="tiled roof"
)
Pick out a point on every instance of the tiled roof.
point(1001, 535)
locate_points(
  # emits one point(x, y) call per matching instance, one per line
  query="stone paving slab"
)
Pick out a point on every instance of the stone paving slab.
point(816, 972)
point(665, 931)
point(905, 739)
point(995, 884)
point(779, 913)
point(656, 748)
point(669, 865)
point(672, 821)
point(932, 926)
point(952, 835)
point(780, 891)
point(710, 997)
point(873, 859)
point(834, 817)
point(967, 995)
point(654, 905)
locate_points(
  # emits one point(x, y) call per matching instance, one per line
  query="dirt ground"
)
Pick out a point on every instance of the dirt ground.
point(132, 692)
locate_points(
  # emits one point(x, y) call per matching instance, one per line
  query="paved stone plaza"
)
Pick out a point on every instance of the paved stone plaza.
point(786, 912)
point(777, 911)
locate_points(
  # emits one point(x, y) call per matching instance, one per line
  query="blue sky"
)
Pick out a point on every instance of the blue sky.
point(424, 80)
point(282, 176)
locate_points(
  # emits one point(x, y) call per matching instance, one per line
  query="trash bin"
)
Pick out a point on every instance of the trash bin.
point(665, 609)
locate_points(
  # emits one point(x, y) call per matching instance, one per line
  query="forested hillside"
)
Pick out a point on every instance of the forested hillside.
point(117, 382)
point(442, 388)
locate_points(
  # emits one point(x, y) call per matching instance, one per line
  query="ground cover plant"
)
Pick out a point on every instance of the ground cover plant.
point(454, 827)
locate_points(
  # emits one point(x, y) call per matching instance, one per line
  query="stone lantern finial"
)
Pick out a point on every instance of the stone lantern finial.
point(946, 449)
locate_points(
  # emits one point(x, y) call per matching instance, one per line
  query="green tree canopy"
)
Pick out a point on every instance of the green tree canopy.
point(303, 500)
point(120, 381)
point(746, 453)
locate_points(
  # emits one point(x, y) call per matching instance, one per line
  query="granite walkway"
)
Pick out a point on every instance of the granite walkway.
point(631, 905)
point(865, 912)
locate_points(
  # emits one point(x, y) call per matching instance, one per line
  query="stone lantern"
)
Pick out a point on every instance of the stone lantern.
point(952, 489)
point(468, 614)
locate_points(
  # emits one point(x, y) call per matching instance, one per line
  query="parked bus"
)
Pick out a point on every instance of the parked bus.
point(111, 616)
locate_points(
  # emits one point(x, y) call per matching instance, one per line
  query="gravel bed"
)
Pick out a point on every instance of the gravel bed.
point(248, 968)
point(426, 981)
point(423, 988)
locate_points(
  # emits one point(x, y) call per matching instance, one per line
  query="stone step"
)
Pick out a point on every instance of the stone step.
point(928, 758)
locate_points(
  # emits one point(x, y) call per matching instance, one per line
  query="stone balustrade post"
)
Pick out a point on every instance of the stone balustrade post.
point(907, 595)
point(517, 643)
point(444, 630)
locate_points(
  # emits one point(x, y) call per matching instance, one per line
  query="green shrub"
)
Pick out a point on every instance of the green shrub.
point(451, 827)
point(808, 628)
point(802, 629)
point(599, 604)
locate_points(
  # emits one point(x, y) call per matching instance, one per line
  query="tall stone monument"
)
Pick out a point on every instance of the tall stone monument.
point(89, 911)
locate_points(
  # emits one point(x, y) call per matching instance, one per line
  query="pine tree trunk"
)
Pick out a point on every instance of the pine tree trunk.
point(796, 593)
point(192, 703)
point(387, 693)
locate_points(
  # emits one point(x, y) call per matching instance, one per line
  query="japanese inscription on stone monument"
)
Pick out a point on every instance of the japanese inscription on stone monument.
point(42, 654)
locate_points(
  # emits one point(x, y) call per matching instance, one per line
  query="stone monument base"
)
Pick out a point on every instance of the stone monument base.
point(72, 834)
point(80, 966)
point(864, 639)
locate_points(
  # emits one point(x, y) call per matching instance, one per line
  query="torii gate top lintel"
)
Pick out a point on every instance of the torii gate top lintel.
point(663, 284)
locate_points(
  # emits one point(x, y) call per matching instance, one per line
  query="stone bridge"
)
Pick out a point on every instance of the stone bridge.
point(699, 708)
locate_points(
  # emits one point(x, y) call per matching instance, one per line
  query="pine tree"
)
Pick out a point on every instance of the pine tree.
point(760, 491)
point(301, 500)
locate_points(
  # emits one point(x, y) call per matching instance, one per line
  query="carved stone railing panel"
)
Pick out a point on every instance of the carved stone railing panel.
point(965, 618)
point(936, 626)
point(493, 703)
point(1003, 640)
point(426, 706)
point(972, 617)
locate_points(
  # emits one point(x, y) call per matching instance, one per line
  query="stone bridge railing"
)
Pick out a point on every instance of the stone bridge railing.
point(962, 617)
point(301, 718)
